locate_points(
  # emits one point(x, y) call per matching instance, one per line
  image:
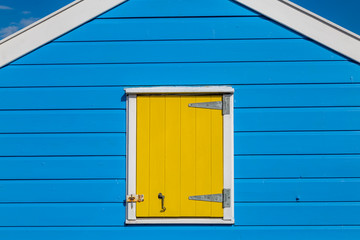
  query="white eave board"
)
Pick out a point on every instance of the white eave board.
point(309, 24)
point(52, 27)
point(79, 12)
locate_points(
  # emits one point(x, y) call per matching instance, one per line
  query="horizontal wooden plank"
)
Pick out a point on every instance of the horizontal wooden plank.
point(62, 214)
point(297, 119)
point(71, 191)
point(178, 51)
point(62, 144)
point(310, 95)
point(162, 8)
point(245, 143)
point(74, 167)
point(290, 214)
point(246, 190)
point(246, 96)
point(298, 142)
point(258, 119)
point(337, 166)
point(298, 166)
point(113, 214)
point(178, 233)
point(179, 74)
point(246, 166)
point(297, 190)
point(342, 142)
point(62, 98)
point(52, 121)
point(178, 28)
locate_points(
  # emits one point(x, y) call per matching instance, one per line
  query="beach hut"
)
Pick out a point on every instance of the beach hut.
point(180, 119)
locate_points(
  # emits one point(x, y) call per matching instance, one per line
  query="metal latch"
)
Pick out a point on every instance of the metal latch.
point(133, 198)
point(223, 105)
point(223, 197)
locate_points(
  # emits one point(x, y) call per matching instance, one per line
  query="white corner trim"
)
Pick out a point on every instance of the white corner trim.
point(52, 27)
point(309, 24)
point(207, 89)
point(228, 153)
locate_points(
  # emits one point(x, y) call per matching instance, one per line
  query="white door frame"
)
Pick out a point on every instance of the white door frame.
point(228, 153)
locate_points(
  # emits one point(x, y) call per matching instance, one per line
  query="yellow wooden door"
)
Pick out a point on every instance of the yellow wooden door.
point(179, 154)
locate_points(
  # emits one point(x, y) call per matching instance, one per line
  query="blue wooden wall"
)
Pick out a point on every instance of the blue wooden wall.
point(297, 122)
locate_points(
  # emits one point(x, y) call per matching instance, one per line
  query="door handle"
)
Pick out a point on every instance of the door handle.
point(162, 197)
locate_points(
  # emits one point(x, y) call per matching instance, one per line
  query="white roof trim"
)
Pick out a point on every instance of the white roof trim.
point(79, 12)
point(52, 27)
point(309, 24)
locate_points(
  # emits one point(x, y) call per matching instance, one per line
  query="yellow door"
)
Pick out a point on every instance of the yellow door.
point(179, 154)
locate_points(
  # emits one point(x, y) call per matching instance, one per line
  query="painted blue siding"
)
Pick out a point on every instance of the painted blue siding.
point(186, 74)
point(178, 233)
point(178, 52)
point(297, 115)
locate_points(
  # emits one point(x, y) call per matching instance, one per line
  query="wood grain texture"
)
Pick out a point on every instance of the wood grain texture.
point(173, 152)
point(87, 167)
point(246, 190)
point(61, 121)
point(178, 232)
point(297, 190)
point(342, 142)
point(251, 119)
point(246, 96)
point(332, 95)
point(297, 214)
point(180, 74)
point(297, 166)
point(297, 119)
point(112, 214)
point(178, 52)
point(71, 144)
point(73, 167)
point(168, 132)
point(62, 191)
point(178, 28)
point(62, 214)
point(188, 173)
point(62, 98)
point(177, 8)
point(203, 176)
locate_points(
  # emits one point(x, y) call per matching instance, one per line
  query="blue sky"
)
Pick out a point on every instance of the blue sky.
point(342, 12)
point(16, 14)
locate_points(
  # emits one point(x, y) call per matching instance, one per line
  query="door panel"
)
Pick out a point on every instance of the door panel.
point(188, 159)
point(179, 154)
point(172, 189)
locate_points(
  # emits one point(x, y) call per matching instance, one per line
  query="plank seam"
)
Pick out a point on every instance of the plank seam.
point(170, 17)
point(171, 40)
point(189, 62)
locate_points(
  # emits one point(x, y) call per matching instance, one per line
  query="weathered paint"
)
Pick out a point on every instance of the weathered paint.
point(62, 124)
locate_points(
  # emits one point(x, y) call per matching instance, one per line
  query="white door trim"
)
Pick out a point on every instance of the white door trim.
point(228, 153)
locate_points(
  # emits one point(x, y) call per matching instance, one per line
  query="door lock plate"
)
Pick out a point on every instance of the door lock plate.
point(133, 198)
